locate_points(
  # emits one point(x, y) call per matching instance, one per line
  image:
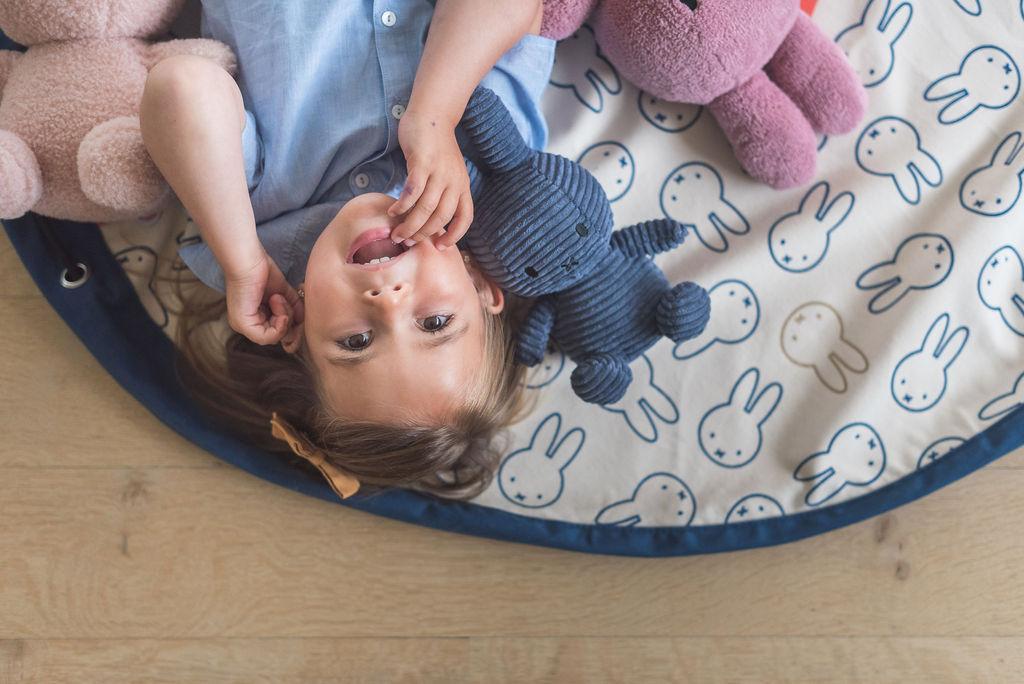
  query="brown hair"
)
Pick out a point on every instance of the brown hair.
point(239, 384)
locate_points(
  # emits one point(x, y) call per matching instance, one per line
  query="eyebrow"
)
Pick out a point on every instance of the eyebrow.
point(434, 342)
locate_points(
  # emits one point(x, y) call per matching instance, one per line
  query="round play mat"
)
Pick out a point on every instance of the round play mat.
point(866, 342)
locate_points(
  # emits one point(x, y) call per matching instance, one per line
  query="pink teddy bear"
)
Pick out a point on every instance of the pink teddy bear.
point(769, 76)
point(70, 143)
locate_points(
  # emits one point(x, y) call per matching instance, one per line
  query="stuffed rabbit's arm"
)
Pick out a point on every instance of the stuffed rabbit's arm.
point(532, 341)
point(7, 60)
point(219, 53)
point(649, 238)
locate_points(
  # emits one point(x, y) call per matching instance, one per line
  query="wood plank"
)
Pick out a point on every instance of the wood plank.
point(62, 407)
point(489, 660)
point(187, 553)
point(14, 279)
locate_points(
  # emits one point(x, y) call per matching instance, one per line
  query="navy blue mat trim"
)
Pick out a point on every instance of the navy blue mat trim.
point(107, 316)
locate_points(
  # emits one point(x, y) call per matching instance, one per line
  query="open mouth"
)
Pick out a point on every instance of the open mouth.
point(374, 248)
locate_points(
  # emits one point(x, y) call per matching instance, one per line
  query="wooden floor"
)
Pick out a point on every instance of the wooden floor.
point(128, 555)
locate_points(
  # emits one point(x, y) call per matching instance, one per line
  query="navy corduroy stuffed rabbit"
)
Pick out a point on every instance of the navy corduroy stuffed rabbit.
point(543, 229)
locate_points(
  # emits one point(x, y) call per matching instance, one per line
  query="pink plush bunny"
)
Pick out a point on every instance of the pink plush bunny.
point(70, 144)
point(770, 77)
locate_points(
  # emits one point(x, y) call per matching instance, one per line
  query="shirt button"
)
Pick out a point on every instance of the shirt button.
point(389, 18)
point(397, 111)
point(362, 180)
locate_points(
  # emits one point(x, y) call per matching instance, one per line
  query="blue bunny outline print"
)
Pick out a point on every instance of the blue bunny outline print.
point(874, 37)
point(972, 7)
point(734, 429)
point(659, 500)
point(150, 261)
point(724, 300)
point(809, 232)
point(912, 167)
point(938, 449)
point(921, 378)
point(684, 121)
point(766, 507)
point(833, 475)
point(714, 216)
point(594, 166)
point(1001, 286)
point(540, 466)
point(1004, 403)
point(957, 86)
point(995, 180)
point(912, 268)
point(643, 414)
point(604, 76)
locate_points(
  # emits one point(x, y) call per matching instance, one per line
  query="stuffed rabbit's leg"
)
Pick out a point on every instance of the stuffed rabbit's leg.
point(813, 71)
point(532, 341)
point(7, 60)
point(21, 181)
point(769, 134)
point(216, 52)
point(649, 238)
point(116, 171)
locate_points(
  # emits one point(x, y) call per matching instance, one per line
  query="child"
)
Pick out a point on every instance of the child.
point(395, 365)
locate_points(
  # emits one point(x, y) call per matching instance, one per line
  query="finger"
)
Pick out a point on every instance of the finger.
point(419, 214)
point(460, 223)
point(441, 216)
point(415, 184)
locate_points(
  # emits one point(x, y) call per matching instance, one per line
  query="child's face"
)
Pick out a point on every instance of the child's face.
point(396, 340)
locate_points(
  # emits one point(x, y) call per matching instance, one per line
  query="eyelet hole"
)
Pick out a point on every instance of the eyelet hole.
point(74, 278)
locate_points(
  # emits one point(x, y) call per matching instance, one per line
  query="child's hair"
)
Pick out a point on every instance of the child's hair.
point(239, 384)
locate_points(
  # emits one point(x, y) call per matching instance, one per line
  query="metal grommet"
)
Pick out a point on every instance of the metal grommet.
point(80, 276)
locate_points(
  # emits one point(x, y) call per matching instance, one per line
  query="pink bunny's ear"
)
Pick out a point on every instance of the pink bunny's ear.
point(562, 18)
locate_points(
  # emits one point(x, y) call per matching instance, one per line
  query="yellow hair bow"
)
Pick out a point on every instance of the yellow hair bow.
point(343, 484)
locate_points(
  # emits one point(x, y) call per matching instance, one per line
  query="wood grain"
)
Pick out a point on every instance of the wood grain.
point(142, 558)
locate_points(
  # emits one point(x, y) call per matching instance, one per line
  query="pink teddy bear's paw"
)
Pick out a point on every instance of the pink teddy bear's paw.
point(21, 181)
point(115, 169)
point(772, 140)
point(816, 75)
point(562, 18)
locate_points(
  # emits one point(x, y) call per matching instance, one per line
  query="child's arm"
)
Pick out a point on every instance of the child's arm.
point(466, 39)
point(192, 121)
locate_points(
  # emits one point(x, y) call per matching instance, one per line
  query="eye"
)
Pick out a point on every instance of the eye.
point(582, 230)
point(433, 324)
point(531, 271)
point(356, 342)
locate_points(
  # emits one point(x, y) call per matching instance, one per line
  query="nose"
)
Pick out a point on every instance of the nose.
point(385, 294)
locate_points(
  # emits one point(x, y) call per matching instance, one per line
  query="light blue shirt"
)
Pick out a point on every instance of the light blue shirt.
point(325, 83)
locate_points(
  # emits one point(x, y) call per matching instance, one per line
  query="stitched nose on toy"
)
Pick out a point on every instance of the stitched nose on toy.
point(570, 263)
point(692, 4)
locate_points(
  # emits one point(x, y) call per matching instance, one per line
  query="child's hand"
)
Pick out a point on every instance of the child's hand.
point(261, 303)
point(436, 192)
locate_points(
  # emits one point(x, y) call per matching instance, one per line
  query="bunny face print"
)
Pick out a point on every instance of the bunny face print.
point(1001, 286)
point(891, 147)
point(730, 433)
point(871, 43)
point(921, 377)
point(994, 190)
point(799, 241)
point(659, 500)
point(855, 457)
point(988, 78)
point(921, 262)
point(534, 476)
point(813, 337)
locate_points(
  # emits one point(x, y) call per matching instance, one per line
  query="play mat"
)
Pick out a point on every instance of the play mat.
point(866, 343)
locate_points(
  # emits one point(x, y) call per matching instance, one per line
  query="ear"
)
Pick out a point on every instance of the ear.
point(292, 340)
point(491, 295)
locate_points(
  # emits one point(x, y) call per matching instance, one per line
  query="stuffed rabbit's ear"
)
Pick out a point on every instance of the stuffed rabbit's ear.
point(953, 346)
point(893, 27)
point(494, 142)
point(766, 402)
point(568, 448)
point(1009, 153)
